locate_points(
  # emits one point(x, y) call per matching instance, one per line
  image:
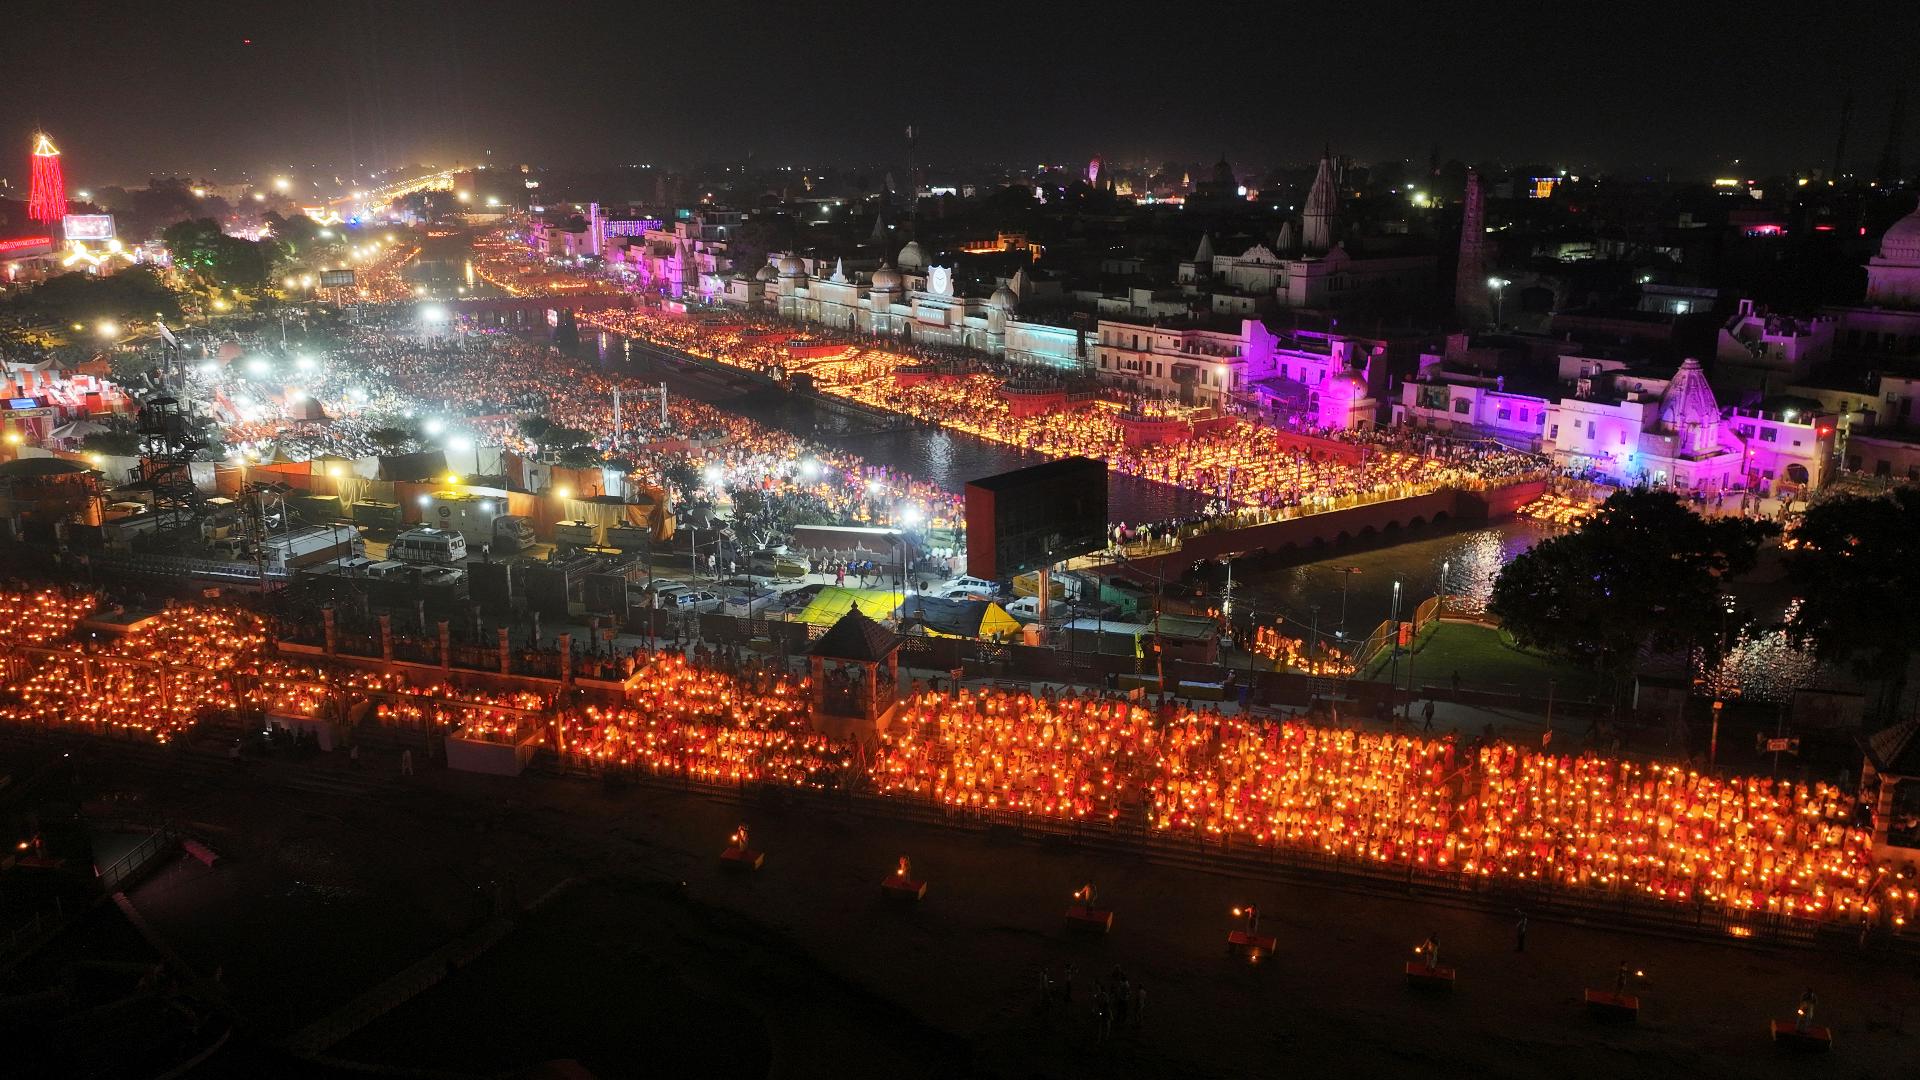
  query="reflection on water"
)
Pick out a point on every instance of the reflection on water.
point(1470, 560)
point(931, 454)
point(1761, 666)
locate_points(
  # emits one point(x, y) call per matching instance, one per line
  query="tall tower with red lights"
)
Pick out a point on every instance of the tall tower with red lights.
point(47, 195)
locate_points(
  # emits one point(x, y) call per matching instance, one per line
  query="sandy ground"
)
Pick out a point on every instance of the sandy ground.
point(656, 962)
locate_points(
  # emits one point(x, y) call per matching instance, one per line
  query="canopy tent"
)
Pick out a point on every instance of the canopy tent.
point(957, 618)
point(833, 602)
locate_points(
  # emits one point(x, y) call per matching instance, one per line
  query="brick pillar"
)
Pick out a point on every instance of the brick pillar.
point(386, 637)
point(446, 646)
point(333, 633)
point(506, 653)
point(566, 659)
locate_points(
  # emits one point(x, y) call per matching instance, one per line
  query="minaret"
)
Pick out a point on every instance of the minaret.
point(1316, 223)
point(1470, 283)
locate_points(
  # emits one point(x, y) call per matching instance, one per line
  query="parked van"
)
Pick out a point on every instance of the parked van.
point(434, 547)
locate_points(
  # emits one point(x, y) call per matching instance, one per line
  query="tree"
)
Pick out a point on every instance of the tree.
point(64, 299)
point(390, 439)
point(1644, 570)
point(534, 429)
point(200, 248)
point(564, 438)
point(1855, 568)
point(580, 456)
point(112, 443)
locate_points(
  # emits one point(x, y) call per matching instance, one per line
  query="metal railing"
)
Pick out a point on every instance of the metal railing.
point(128, 866)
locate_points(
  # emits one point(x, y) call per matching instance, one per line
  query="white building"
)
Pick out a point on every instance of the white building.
point(1629, 427)
point(1329, 281)
point(1760, 350)
point(914, 301)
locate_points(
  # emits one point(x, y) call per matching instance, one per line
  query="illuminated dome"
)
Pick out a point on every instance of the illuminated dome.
point(791, 266)
point(1002, 299)
point(887, 278)
point(765, 273)
point(1347, 384)
point(1901, 243)
point(912, 258)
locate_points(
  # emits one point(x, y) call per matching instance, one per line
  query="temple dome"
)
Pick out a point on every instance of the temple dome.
point(1348, 384)
point(1688, 410)
point(888, 278)
point(1002, 299)
point(1901, 243)
point(912, 258)
point(765, 273)
point(791, 266)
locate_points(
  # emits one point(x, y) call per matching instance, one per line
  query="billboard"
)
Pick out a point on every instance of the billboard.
point(1037, 516)
point(336, 279)
point(87, 226)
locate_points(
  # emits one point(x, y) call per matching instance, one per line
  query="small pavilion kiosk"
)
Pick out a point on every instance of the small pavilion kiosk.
point(855, 668)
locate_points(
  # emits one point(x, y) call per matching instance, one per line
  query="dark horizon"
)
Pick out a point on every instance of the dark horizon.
point(212, 87)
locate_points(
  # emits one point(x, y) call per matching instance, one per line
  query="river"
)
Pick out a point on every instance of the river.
point(941, 457)
point(1273, 588)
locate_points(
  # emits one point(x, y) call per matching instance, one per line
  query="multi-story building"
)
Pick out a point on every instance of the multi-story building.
point(1759, 350)
point(1630, 427)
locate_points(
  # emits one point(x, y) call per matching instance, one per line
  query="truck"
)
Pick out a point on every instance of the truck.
point(290, 550)
point(479, 519)
point(572, 535)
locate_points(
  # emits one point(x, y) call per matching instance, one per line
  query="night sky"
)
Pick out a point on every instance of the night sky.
point(137, 87)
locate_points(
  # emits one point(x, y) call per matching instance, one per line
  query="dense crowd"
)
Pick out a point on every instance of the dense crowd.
point(388, 376)
point(1238, 462)
point(1494, 810)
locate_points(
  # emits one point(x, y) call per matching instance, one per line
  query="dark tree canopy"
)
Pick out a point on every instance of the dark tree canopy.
point(133, 293)
point(1644, 570)
point(1856, 570)
point(200, 248)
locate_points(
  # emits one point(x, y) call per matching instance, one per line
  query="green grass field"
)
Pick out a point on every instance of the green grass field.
point(1486, 661)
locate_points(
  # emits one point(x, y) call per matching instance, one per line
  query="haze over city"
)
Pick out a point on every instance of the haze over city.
point(853, 540)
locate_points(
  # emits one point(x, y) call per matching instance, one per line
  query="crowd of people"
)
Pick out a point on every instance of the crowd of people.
point(1237, 461)
point(1491, 810)
point(387, 377)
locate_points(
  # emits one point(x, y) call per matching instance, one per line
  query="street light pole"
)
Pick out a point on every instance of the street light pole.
point(1393, 641)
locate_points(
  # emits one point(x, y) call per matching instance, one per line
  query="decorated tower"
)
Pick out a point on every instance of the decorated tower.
point(1470, 283)
point(47, 194)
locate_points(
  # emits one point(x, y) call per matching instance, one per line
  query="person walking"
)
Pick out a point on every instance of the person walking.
point(1520, 934)
point(1426, 716)
point(1805, 1018)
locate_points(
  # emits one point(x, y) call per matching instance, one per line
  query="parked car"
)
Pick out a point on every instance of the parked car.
point(1027, 609)
point(440, 575)
point(986, 589)
point(747, 605)
point(689, 600)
